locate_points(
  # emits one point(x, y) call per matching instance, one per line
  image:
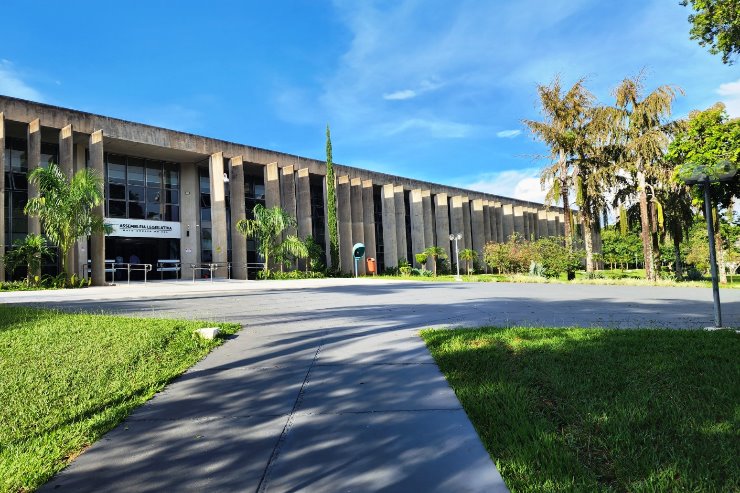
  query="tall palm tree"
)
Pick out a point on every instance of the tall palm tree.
point(267, 228)
point(65, 207)
point(564, 116)
point(435, 252)
point(468, 255)
point(645, 129)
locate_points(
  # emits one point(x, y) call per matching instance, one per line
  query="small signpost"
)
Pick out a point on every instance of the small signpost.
point(358, 251)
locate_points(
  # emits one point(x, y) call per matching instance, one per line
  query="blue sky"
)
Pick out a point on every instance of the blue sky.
point(429, 89)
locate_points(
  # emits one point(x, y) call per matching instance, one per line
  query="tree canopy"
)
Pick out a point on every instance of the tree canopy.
point(716, 24)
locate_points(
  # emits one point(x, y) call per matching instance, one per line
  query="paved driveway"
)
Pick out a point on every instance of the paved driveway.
point(328, 387)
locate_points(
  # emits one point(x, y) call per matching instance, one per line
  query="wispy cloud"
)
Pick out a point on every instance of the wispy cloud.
point(440, 129)
point(12, 83)
point(523, 184)
point(730, 92)
point(508, 134)
point(400, 95)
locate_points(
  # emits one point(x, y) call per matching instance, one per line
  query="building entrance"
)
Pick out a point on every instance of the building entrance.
point(141, 251)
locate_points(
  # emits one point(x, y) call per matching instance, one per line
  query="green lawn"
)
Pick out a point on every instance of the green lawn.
point(600, 410)
point(66, 379)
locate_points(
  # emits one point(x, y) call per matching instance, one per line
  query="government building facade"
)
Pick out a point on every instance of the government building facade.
point(176, 196)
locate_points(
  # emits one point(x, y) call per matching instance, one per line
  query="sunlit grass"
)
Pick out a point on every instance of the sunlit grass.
point(600, 410)
point(66, 379)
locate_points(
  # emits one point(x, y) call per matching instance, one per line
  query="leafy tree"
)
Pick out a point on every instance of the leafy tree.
point(435, 253)
point(316, 262)
point(28, 252)
point(267, 228)
point(421, 258)
point(555, 257)
point(331, 204)
point(620, 247)
point(564, 116)
point(65, 207)
point(496, 255)
point(468, 255)
point(644, 131)
point(716, 23)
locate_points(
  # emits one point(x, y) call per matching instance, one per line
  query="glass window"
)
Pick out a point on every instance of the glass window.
point(171, 176)
point(18, 161)
point(153, 174)
point(172, 196)
point(153, 211)
point(136, 194)
point(153, 195)
point(205, 215)
point(172, 213)
point(205, 184)
point(136, 172)
point(116, 191)
point(116, 173)
point(136, 210)
point(116, 208)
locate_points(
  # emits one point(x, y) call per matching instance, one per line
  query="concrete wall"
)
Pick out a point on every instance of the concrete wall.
point(417, 226)
point(401, 245)
point(358, 229)
point(368, 219)
point(390, 245)
point(238, 212)
point(219, 232)
point(344, 218)
point(442, 222)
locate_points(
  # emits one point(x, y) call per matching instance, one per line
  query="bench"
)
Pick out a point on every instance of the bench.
point(169, 265)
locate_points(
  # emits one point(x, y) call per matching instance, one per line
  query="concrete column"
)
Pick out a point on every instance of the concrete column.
point(34, 157)
point(368, 219)
point(390, 245)
point(287, 193)
point(457, 217)
point(272, 185)
point(358, 229)
point(219, 233)
point(327, 235)
point(508, 229)
point(66, 164)
point(344, 218)
point(500, 223)
point(477, 227)
point(417, 226)
point(401, 240)
point(426, 203)
point(442, 222)
point(2, 196)
point(303, 204)
point(238, 212)
point(542, 224)
point(97, 241)
point(189, 217)
point(467, 227)
point(519, 220)
point(560, 223)
point(81, 255)
point(487, 222)
point(551, 226)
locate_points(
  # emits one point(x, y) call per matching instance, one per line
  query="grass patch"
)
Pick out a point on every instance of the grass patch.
point(66, 379)
point(600, 410)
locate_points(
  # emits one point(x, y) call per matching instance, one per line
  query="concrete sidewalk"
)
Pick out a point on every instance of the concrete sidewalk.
point(314, 404)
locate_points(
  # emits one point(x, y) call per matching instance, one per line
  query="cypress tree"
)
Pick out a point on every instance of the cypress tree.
point(331, 203)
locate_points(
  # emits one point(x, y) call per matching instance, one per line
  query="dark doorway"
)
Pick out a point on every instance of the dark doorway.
point(148, 251)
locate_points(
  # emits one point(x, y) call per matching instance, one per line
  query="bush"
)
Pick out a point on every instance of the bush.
point(293, 274)
point(693, 274)
point(594, 275)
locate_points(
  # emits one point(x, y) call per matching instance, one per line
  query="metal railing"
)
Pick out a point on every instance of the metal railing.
point(110, 267)
point(169, 265)
point(211, 267)
point(145, 268)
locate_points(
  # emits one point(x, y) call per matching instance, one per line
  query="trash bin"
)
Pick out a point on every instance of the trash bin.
point(371, 266)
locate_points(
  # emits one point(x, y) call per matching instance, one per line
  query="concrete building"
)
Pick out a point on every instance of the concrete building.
point(176, 196)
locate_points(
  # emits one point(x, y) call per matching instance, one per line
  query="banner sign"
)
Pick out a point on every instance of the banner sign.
point(142, 228)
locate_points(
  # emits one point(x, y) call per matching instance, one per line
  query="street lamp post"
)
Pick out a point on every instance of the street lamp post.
point(705, 176)
point(455, 238)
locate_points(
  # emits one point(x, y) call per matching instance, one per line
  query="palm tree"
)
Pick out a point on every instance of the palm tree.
point(65, 208)
point(645, 137)
point(435, 252)
point(468, 255)
point(267, 228)
point(30, 252)
point(564, 116)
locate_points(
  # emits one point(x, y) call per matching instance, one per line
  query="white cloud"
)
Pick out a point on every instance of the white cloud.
point(730, 91)
point(11, 83)
point(523, 184)
point(400, 95)
point(508, 134)
point(440, 129)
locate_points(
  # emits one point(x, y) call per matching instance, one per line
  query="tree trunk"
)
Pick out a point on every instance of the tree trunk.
point(588, 238)
point(566, 201)
point(677, 251)
point(647, 244)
